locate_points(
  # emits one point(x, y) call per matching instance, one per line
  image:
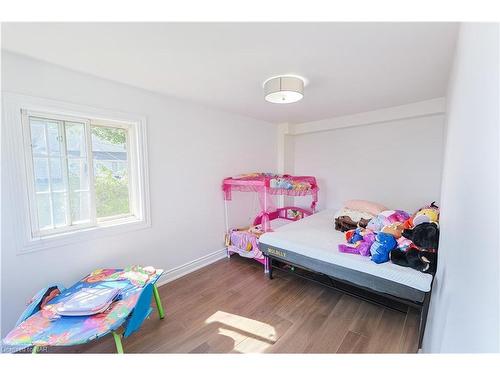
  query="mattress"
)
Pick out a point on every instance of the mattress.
point(313, 243)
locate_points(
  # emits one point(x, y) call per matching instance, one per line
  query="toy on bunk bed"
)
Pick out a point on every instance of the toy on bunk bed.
point(244, 241)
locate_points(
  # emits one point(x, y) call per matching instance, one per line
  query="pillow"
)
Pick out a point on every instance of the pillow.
point(355, 215)
point(365, 206)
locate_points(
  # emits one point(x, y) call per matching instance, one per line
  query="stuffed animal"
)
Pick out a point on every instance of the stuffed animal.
point(422, 254)
point(347, 219)
point(378, 222)
point(425, 235)
point(398, 216)
point(359, 242)
point(280, 183)
point(382, 246)
point(403, 243)
point(386, 218)
point(427, 214)
point(396, 229)
point(418, 259)
point(301, 186)
point(354, 235)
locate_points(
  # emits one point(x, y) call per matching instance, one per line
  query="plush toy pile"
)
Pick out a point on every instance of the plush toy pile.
point(289, 184)
point(383, 234)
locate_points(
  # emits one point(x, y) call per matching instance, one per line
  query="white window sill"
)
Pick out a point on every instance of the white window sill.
point(85, 234)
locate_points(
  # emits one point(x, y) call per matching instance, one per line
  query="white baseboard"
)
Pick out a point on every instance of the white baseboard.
point(189, 267)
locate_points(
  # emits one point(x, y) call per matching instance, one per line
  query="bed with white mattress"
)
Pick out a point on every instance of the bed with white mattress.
point(309, 249)
point(312, 243)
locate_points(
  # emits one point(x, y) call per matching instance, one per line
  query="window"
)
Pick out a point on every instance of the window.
point(82, 173)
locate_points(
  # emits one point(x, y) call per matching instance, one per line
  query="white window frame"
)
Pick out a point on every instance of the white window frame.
point(16, 109)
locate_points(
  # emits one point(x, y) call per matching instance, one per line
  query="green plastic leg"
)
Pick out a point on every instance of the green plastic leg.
point(161, 313)
point(118, 342)
point(35, 349)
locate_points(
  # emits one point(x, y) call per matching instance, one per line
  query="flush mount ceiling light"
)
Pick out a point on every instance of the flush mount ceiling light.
point(284, 89)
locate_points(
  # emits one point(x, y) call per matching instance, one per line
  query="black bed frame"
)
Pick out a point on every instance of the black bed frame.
point(366, 294)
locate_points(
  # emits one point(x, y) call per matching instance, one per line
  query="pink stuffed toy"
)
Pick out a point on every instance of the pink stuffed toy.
point(386, 218)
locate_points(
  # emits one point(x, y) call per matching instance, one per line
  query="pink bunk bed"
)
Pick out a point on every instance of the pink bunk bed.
point(244, 241)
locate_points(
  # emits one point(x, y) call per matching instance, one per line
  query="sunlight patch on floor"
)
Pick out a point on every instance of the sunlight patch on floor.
point(249, 335)
point(243, 343)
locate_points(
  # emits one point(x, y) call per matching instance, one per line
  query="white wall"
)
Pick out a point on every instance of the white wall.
point(392, 156)
point(191, 149)
point(464, 315)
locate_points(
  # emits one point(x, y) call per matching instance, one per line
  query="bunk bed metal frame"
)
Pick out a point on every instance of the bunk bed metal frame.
point(262, 184)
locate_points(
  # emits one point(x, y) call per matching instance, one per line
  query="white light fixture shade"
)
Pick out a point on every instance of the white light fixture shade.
point(284, 90)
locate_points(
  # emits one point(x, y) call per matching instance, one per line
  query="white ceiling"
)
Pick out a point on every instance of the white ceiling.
point(351, 67)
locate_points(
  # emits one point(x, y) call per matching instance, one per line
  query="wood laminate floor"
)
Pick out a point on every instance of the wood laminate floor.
point(231, 307)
